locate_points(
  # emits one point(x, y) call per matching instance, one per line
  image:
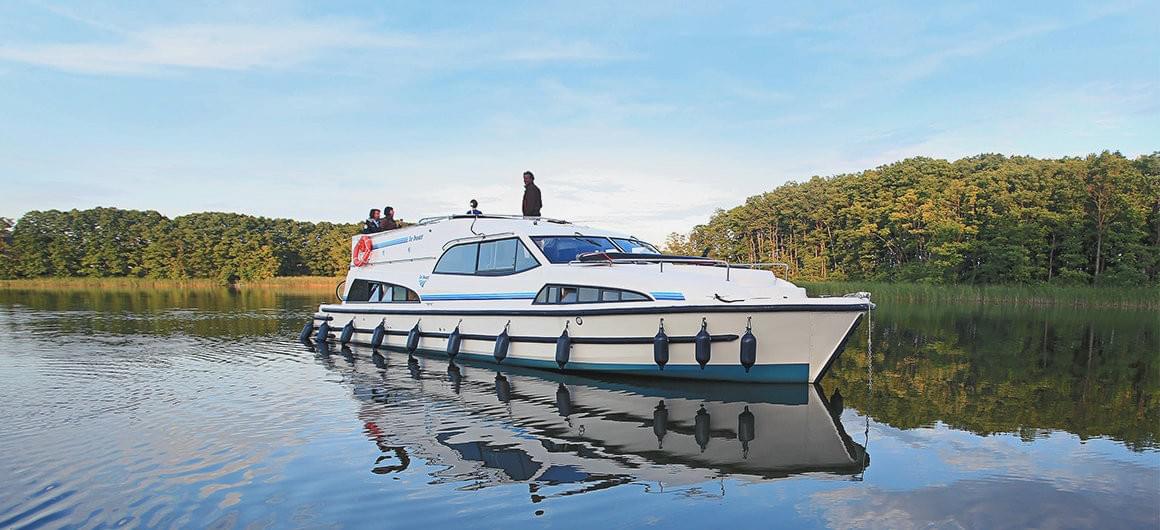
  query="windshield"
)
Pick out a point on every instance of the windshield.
point(562, 249)
point(635, 246)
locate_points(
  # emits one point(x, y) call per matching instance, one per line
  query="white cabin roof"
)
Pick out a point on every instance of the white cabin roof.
point(444, 229)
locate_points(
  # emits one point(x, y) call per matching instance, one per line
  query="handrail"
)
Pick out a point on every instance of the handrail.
point(404, 260)
point(640, 261)
point(440, 218)
point(480, 237)
point(683, 260)
point(764, 264)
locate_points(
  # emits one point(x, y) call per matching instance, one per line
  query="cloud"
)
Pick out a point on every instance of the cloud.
point(993, 503)
point(204, 46)
point(564, 51)
point(929, 63)
point(267, 45)
point(627, 201)
point(1000, 481)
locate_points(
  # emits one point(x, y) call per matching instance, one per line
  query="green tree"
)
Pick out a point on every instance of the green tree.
point(7, 254)
point(982, 219)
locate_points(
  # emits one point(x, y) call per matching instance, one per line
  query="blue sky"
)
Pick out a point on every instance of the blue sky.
point(640, 116)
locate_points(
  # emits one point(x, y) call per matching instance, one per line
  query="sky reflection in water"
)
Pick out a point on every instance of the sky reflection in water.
point(191, 408)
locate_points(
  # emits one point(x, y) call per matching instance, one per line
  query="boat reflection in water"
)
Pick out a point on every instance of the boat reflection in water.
point(489, 425)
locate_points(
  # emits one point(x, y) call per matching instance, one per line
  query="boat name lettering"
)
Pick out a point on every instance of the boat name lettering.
point(397, 241)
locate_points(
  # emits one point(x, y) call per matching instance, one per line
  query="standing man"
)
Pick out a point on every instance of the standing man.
point(532, 202)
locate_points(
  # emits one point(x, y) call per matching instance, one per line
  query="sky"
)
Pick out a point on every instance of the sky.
point(643, 117)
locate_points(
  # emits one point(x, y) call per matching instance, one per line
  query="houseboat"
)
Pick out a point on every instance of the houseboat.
point(546, 293)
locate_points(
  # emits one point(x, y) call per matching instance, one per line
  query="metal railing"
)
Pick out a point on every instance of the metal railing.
point(441, 218)
point(480, 237)
point(712, 262)
point(763, 264)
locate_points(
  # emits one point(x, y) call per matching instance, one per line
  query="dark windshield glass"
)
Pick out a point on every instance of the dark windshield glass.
point(562, 249)
point(635, 246)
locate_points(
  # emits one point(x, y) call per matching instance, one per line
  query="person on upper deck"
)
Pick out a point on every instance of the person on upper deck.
point(474, 208)
point(388, 221)
point(532, 201)
point(371, 225)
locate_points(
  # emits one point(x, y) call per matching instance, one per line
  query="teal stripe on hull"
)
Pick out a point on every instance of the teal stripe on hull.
point(769, 373)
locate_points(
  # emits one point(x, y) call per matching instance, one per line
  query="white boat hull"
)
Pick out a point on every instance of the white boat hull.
point(795, 344)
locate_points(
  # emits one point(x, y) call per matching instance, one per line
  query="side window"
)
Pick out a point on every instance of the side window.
point(579, 294)
point(497, 257)
point(489, 258)
point(524, 258)
point(588, 295)
point(369, 291)
point(458, 260)
point(359, 291)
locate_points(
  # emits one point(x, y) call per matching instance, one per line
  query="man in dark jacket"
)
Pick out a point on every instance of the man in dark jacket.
point(532, 202)
point(388, 221)
point(371, 225)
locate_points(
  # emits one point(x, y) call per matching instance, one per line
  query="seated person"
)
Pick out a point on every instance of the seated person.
point(372, 224)
point(388, 221)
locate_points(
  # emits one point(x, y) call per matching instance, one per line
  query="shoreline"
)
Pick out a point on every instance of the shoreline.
point(1080, 297)
point(281, 284)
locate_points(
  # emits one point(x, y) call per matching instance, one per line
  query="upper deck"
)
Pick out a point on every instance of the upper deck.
point(452, 227)
point(545, 253)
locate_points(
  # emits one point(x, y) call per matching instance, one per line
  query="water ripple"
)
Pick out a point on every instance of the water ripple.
point(175, 415)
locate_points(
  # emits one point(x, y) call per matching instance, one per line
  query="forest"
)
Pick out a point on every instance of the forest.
point(110, 242)
point(986, 219)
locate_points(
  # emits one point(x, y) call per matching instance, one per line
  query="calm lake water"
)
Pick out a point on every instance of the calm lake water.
point(194, 408)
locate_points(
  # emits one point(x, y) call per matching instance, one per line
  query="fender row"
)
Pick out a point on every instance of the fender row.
point(858, 307)
point(702, 341)
point(547, 340)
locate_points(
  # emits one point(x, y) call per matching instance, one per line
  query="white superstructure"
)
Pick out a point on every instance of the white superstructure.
point(545, 293)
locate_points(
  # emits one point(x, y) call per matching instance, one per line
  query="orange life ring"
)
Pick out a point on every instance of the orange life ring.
point(362, 251)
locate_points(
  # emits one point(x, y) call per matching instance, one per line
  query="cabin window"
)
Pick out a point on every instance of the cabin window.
point(635, 246)
point(459, 259)
point(582, 294)
point(371, 291)
point(587, 295)
point(524, 258)
point(497, 257)
point(562, 249)
point(488, 258)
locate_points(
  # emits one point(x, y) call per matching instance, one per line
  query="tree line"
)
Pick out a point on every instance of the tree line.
point(111, 242)
point(986, 219)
